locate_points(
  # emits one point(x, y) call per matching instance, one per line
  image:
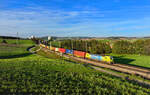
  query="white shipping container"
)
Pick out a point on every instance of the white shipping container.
point(56, 49)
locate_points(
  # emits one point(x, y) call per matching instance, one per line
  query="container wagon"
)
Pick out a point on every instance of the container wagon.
point(79, 53)
point(68, 51)
point(56, 49)
point(62, 50)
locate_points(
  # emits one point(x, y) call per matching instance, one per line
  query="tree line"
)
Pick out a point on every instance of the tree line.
point(92, 46)
point(141, 47)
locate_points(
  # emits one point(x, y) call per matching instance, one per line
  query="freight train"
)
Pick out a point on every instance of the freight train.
point(81, 54)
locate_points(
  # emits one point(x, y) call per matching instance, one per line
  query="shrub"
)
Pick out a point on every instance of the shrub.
point(4, 41)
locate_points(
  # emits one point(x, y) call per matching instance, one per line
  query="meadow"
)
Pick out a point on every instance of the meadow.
point(36, 74)
point(135, 60)
point(13, 50)
point(20, 41)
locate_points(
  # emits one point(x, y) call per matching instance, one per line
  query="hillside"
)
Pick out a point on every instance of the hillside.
point(34, 74)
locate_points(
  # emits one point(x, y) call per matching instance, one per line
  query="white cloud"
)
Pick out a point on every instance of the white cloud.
point(41, 22)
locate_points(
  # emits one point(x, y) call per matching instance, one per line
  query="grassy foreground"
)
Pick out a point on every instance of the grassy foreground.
point(33, 74)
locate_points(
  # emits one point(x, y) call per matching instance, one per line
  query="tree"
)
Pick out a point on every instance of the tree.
point(139, 46)
point(121, 47)
point(147, 47)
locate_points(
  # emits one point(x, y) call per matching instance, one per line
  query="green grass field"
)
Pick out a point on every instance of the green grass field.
point(40, 75)
point(135, 60)
point(20, 42)
point(12, 50)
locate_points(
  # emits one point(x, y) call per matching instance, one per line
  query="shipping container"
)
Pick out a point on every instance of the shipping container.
point(56, 49)
point(47, 47)
point(62, 50)
point(79, 53)
point(42, 45)
point(88, 55)
point(52, 48)
point(68, 51)
point(96, 57)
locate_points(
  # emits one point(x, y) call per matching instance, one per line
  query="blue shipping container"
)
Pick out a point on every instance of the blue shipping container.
point(68, 51)
point(96, 57)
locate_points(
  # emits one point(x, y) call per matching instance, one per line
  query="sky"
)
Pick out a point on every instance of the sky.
point(70, 18)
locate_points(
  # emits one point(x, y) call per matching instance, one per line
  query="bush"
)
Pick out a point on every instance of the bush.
point(4, 41)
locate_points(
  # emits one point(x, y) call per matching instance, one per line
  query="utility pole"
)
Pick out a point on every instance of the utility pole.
point(39, 42)
point(72, 44)
point(86, 45)
point(50, 43)
point(17, 38)
point(59, 44)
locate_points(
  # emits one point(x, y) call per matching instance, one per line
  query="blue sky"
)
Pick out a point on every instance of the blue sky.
point(94, 18)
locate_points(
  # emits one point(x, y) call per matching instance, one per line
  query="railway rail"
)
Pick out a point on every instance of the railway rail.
point(145, 73)
point(132, 68)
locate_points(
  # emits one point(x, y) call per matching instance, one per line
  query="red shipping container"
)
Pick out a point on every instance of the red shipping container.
point(79, 53)
point(62, 50)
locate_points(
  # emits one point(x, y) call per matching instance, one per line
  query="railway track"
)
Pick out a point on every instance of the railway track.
point(121, 68)
point(132, 68)
point(117, 67)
